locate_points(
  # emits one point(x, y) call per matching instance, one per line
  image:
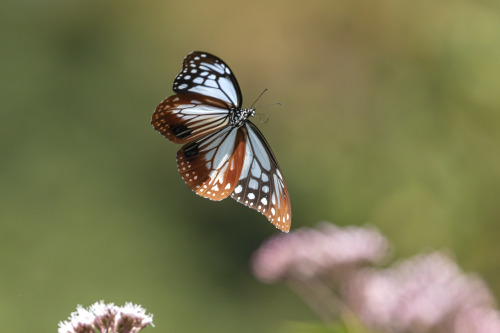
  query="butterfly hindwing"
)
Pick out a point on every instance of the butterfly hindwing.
point(261, 185)
point(211, 166)
point(187, 117)
point(207, 75)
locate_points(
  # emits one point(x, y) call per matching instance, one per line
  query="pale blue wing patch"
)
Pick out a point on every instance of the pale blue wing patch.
point(261, 185)
point(208, 75)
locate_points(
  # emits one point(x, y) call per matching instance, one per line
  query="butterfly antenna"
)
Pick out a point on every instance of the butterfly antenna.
point(263, 118)
point(262, 93)
point(277, 103)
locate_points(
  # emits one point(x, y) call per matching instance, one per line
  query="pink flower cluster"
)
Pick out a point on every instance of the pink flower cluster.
point(306, 252)
point(107, 318)
point(428, 293)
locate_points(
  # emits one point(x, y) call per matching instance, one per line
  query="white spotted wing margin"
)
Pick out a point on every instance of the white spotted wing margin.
point(261, 185)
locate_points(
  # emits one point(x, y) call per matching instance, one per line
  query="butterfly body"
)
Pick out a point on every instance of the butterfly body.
point(240, 116)
point(224, 152)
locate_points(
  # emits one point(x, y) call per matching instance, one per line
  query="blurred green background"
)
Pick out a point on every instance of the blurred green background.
point(391, 116)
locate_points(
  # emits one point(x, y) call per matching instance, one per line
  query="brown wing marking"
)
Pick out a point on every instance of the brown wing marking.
point(188, 117)
point(212, 165)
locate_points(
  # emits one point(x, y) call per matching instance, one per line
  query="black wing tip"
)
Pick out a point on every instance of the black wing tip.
point(200, 52)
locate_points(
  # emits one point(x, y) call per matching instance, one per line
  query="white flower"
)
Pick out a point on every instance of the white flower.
point(104, 318)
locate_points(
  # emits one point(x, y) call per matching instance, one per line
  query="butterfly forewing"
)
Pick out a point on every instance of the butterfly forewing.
point(207, 75)
point(261, 185)
point(211, 166)
point(187, 117)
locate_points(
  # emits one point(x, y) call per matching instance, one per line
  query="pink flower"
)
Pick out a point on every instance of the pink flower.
point(306, 252)
point(417, 295)
point(477, 320)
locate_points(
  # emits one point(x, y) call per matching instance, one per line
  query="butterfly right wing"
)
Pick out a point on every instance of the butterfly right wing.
point(211, 166)
point(261, 185)
point(187, 117)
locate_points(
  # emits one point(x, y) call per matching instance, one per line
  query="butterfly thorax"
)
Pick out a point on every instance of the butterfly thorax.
point(239, 116)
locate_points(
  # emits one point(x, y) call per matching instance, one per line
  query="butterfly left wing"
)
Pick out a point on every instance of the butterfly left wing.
point(211, 166)
point(261, 185)
point(205, 74)
point(187, 117)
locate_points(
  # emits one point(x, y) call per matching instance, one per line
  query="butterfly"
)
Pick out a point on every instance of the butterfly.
point(224, 153)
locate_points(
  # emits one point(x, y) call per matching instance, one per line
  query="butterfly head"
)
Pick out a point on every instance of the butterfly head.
point(239, 116)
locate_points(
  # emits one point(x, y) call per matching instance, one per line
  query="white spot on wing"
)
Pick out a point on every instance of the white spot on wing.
point(253, 184)
point(247, 161)
point(238, 189)
point(256, 169)
point(278, 188)
point(209, 91)
point(227, 86)
point(211, 83)
point(215, 67)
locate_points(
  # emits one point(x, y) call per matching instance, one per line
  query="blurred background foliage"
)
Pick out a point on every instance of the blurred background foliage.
point(390, 116)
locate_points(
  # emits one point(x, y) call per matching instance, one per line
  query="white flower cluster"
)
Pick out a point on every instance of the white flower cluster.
point(107, 318)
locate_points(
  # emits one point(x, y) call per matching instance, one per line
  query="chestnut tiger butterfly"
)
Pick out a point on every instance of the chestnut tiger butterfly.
point(224, 153)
